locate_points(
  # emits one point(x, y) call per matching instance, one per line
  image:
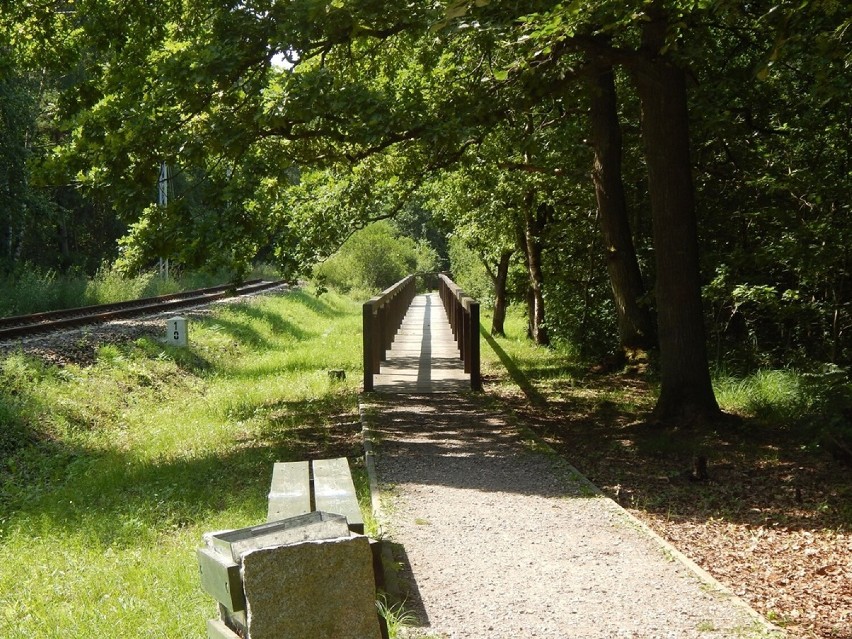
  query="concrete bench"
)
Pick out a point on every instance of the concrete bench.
point(323, 485)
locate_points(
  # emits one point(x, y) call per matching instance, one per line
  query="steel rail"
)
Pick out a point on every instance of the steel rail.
point(24, 325)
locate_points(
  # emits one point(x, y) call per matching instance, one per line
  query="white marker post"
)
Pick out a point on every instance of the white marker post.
point(176, 332)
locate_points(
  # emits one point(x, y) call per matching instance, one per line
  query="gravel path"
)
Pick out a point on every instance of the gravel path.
point(498, 541)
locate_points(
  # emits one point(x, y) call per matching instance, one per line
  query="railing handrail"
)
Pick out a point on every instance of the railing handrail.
point(382, 317)
point(463, 313)
point(390, 291)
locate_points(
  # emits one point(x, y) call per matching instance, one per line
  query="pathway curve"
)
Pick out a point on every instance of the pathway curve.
point(498, 541)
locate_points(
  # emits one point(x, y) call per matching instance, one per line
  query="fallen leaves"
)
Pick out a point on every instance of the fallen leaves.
point(773, 523)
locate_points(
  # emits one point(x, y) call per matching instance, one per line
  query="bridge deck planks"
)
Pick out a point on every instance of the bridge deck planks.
point(424, 357)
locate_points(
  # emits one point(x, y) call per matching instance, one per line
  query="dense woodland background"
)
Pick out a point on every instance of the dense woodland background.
point(650, 176)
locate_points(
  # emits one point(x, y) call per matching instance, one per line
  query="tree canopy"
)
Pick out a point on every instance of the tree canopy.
point(655, 167)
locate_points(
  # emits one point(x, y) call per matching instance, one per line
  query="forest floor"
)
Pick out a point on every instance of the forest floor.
point(773, 521)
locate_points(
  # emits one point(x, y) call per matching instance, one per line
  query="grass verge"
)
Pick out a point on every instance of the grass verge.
point(111, 472)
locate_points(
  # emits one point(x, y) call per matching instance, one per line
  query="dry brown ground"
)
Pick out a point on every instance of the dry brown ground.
point(773, 521)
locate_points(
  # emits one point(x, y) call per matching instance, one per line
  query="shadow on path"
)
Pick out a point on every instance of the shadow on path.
point(455, 440)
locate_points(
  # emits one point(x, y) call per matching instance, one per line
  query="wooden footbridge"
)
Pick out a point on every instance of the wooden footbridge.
point(427, 343)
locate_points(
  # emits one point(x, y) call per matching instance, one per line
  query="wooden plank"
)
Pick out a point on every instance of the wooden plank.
point(220, 578)
point(218, 630)
point(290, 491)
point(334, 491)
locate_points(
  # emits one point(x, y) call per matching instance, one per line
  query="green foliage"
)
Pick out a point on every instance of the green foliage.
point(469, 272)
point(773, 395)
point(111, 285)
point(31, 290)
point(373, 259)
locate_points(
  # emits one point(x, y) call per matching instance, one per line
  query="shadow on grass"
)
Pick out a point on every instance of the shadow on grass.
point(247, 335)
point(276, 322)
point(517, 375)
point(317, 305)
point(118, 499)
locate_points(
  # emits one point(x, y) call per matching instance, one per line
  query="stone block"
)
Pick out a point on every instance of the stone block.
point(177, 331)
point(317, 589)
point(308, 527)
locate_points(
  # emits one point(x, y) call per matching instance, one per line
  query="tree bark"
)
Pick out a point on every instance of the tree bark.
point(686, 392)
point(535, 219)
point(498, 279)
point(635, 326)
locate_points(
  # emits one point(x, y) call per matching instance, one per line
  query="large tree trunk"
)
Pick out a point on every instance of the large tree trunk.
point(686, 392)
point(535, 219)
point(635, 326)
point(499, 276)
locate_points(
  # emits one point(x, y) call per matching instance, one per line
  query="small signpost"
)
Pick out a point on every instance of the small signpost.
point(176, 332)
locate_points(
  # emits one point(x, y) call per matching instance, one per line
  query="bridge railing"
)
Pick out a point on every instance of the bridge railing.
point(463, 313)
point(382, 318)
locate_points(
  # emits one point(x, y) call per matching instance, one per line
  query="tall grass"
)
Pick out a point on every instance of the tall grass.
point(110, 473)
point(776, 394)
point(33, 290)
point(818, 405)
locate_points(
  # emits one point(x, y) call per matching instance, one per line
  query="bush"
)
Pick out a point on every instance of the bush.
point(110, 285)
point(371, 260)
point(468, 271)
point(817, 404)
point(31, 289)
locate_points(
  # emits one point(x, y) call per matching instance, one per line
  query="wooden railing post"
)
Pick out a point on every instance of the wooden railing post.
point(369, 348)
point(475, 376)
point(382, 316)
point(463, 314)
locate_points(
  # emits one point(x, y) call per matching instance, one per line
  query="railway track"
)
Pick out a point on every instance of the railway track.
point(25, 325)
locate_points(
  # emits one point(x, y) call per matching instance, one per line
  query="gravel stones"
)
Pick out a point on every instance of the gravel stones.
point(497, 541)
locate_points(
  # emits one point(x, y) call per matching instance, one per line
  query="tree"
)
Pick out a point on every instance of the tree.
point(635, 325)
point(16, 120)
point(557, 37)
point(470, 203)
point(376, 95)
point(686, 392)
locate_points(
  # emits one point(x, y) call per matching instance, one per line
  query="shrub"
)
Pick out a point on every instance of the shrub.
point(371, 260)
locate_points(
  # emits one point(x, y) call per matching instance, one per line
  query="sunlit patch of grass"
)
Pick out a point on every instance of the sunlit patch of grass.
point(776, 394)
point(111, 473)
point(514, 363)
point(396, 616)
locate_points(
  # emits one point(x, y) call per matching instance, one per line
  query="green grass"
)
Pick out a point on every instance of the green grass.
point(777, 394)
point(32, 290)
point(397, 617)
point(535, 370)
point(111, 473)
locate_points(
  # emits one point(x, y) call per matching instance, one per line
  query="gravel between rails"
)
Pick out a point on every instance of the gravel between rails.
point(497, 540)
point(79, 345)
